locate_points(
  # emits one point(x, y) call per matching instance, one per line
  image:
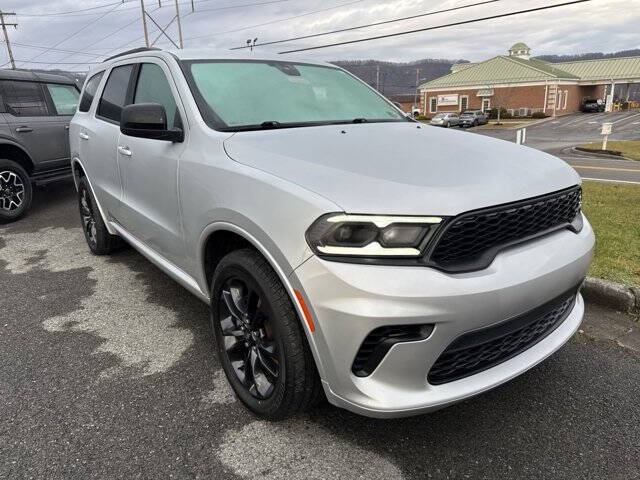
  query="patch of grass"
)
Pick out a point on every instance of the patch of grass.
point(629, 149)
point(614, 212)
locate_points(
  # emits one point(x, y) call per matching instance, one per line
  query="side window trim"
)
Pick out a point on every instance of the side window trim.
point(96, 94)
point(128, 95)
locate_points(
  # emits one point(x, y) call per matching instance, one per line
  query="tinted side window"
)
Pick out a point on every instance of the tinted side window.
point(89, 92)
point(64, 98)
point(114, 95)
point(153, 87)
point(24, 99)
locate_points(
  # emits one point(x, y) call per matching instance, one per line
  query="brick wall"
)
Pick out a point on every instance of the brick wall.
point(507, 97)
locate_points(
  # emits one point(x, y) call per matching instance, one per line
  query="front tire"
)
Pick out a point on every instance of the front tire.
point(16, 192)
point(98, 238)
point(259, 340)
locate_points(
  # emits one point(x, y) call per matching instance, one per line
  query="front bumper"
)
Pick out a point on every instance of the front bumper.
point(348, 301)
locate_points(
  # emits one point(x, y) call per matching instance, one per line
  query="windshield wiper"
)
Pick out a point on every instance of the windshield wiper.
point(359, 120)
point(270, 124)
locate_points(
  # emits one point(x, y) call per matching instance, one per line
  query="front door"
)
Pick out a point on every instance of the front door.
point(32, 122)
point(149, 170)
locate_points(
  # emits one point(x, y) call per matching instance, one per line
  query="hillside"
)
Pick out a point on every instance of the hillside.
point(397, 78)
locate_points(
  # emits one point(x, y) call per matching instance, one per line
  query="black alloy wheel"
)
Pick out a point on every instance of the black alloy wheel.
point(15, 191)
point(99, 240)
point(245, 319)
point(259, 339)
point(87, 215)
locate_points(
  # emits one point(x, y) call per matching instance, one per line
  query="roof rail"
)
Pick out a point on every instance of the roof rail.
point(133, 50)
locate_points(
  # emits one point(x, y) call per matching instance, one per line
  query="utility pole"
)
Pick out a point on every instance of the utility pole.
point(6, 36)
point(378, 77)
point(415, 94)
point(144, 24)
point(179, 25)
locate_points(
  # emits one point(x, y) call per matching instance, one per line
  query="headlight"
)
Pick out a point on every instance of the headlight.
point(372, 236)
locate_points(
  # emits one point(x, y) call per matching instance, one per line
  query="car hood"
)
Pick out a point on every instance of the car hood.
point(402, 168)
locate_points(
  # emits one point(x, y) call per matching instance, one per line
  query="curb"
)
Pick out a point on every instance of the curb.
point(614, 295)
point(597, 154)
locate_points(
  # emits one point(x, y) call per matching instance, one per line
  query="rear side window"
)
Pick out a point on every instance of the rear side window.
point(89, 92)
point(153, 87)
point(64, 97)
point(24, 99)
point(114, 94)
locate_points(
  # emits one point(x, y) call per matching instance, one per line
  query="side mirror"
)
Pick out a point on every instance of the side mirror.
point(148, 120)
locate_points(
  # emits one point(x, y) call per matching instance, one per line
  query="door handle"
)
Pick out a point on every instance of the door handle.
point(124, 151)
point(66, 127)
point(23, 129)
point(83, 136)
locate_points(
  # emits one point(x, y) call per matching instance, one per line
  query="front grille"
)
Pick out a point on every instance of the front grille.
point(379, 341)
point(472, 240)
point(477, 351)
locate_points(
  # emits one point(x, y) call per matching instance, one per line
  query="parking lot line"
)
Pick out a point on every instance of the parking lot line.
point(626, 118)
point(591, 167)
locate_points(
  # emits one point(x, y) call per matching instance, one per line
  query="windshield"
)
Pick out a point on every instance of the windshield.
point(249, 95)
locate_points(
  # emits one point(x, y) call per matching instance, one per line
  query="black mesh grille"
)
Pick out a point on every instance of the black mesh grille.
point(376, 345)
point(482, 349)
point(475, 237)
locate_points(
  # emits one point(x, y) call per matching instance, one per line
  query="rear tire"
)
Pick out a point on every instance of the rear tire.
point(98, 238)
point(16, 192)
point(259, 339)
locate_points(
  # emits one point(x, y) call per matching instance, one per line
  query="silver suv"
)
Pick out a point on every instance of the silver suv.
point(288, 195)
point(34, 149)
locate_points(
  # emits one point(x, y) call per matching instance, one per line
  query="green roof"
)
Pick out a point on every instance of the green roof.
point(501, 69)
point(510, 69)
point(519, 46)
point(603, 69)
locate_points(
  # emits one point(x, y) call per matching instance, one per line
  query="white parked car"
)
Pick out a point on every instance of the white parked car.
point(344, 249)
point(445, 120)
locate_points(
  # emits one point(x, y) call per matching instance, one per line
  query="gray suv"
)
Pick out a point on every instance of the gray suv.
point(35, 110)
point(343, 248)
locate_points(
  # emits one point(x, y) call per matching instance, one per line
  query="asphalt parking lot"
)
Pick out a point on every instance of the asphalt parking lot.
point(108, 372)
point(558, 136)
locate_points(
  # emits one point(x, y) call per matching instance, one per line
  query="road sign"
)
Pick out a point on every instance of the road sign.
point(606, 131)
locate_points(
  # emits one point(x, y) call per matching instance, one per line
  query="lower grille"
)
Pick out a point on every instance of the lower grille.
point(376, 345)
point(482, 349)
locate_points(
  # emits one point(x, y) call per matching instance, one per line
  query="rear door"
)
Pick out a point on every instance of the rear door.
point(62, 100)
point(33, 124)
point(149, 169)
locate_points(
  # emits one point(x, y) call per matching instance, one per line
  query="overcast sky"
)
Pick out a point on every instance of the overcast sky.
point(89, 35)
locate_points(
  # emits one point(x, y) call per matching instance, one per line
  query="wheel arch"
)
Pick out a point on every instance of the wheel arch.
point(12, 151)
point(79, 171)
point(215, 234)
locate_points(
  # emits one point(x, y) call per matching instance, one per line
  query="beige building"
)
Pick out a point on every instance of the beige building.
point(524, 85)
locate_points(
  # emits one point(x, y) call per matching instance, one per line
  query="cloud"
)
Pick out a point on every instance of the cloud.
point(599, 25)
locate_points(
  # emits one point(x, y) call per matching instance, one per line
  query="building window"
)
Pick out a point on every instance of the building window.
point(566, 94)
point(433, 104)
point(486, 104)
point(464, 102)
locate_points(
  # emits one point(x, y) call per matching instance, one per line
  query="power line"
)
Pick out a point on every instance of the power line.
point(74, 13)
point(271, 22)
point(60, 50)
point(371, 24)
point(407, 32)
point(76, 32)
